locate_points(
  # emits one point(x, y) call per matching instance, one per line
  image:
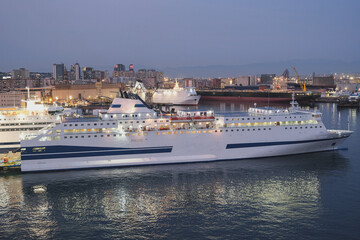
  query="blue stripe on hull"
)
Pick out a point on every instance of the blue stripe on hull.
point(10, 143)
point(128, 151)
point(65, 149)
point(265, 144)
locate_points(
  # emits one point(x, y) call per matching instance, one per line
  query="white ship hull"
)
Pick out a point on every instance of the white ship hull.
point(187, 100)
point(199, 148)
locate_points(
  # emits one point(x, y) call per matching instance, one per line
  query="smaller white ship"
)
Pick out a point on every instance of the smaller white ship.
point(15, 123)
point(175, 96)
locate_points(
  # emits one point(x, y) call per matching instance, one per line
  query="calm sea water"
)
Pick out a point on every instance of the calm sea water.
point(310, 196)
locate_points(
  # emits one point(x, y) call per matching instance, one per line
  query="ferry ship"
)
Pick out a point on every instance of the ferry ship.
point(131, 134)
point(15, 123)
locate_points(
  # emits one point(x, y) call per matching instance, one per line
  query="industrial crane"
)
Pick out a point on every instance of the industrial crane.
point(302, 85)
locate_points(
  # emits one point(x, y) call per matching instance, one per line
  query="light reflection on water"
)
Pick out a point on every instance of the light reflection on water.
point(251, 197)
point(281, 197)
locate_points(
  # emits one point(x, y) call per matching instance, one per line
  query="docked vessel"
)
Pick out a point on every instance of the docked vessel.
point(176, 96)
point(272, 96)
point(15, 123)
point(131, 134)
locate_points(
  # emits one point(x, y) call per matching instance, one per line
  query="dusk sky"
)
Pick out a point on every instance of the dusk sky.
point(175, 33)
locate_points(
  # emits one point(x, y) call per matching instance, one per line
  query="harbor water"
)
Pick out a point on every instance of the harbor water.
point(309, 196)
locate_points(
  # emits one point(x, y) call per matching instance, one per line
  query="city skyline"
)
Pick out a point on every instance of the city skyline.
point(167, 35)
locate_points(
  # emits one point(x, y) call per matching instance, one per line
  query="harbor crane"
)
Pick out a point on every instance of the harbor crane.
point(302, 85)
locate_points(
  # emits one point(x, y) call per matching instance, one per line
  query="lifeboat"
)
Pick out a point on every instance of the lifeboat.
point(203, 118)
point(180, 119)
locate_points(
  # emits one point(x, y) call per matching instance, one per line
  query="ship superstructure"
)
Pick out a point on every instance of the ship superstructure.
point(132, 134)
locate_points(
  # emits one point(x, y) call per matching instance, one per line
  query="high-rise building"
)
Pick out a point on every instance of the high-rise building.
point(21, 73)
point(119, 67)
point(88, 73)
point(77, 71)
point(59, 72)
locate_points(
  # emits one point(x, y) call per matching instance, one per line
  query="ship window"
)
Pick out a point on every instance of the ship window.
point(114, 135)
point(169, 133)
point(157, 133)
point(295, 127)
point(82, 124)
point(226, 130)
point(243, 130)
point(75, 125)
point(248, 119)
point(192, 131)
point(264, 128)
point(226, 119)
point(290, 127)
point(286, 128)
point(181, 132)
point(187, 132)
point(108, 135)
point(113, 123)
point(311, 127)
point(82, 136)
point(320, 126)
point(315, 126)
point(237, 129)
point(253, 129)
point(155, 121)
point(108, 123)
point(259, 129)
point(65, 125)
point(164, 133)
point(143, 121)
point(95, 124)
point(300, 127)
point(232, 130)
point(248, 129)
point(65, 137)
point(269, 128)
point(220, 130)
point(215, 130)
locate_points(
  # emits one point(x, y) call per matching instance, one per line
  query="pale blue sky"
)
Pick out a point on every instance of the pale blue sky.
point(175, 33)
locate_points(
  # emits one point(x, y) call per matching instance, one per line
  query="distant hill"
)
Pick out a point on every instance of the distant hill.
point(303, 67)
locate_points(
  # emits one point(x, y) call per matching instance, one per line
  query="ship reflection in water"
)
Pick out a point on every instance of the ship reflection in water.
point(263, 198)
